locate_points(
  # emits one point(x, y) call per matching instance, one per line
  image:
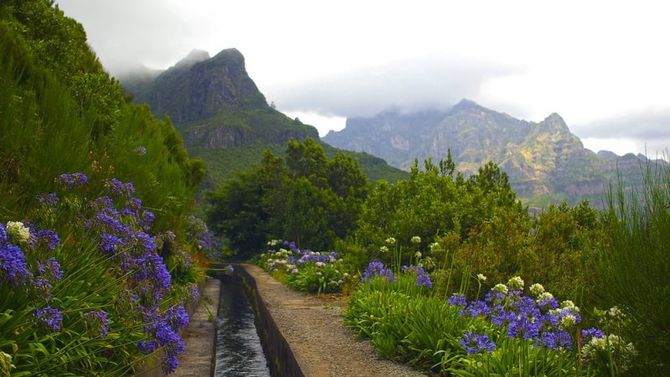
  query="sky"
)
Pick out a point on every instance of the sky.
point(601, 65)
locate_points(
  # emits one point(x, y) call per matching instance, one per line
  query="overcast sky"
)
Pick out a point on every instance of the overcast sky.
point(602, 65)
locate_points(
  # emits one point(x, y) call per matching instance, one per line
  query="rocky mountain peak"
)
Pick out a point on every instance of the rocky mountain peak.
point(466, 104)
point(554, 122)
point(193, 57)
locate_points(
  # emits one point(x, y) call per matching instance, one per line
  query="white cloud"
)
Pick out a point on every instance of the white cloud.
point(586, 60)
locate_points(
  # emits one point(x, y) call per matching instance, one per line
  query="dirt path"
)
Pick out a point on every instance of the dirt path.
point(314, 329)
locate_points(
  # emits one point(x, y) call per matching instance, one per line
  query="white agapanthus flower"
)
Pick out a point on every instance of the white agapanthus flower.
point(567, 304)
point(537, 289)
point(515, 283)
point(416, 239)
point(481, 277)
point(384, 249)
point(501, 288)
point(18, 231)
point(390, 241)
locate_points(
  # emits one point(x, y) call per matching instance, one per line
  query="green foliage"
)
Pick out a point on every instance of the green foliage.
point(305, 270)
point(60, 112)
point(636, 264)
point(433, 202)
point(424, 330)
point(305, 197)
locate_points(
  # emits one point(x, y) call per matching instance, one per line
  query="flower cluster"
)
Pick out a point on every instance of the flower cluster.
point(72, 180)
point(537, 318)
point(98, 322)
point(204, 238)
point(422, 278)
point(49, 317)
point(306, 269)
point(477, 343)
point(376, 268)
point(13, 266)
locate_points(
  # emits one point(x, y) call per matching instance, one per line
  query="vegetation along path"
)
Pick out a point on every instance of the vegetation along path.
point(316, 334)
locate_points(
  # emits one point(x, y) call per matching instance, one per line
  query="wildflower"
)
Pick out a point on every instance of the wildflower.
point(99, 321)
point(588, 334)
point(610, 346)
point(554, 340)
point(49, 200)
point(615, 313)
point(177, 316)
point(6, 364)
point(231, 269)
point(50, 317)
point(49, 238)
point(141, 150)
point(477, 343)
point(416, 240)
point(391, 241)
point(422, 279)
point(320, 264)
point(567, 304)
point(47, 273)
point(515, 283)
point(13, 267)
point(193, 292)
point(547, 301)
point(72, 180)
point(18, 232)
point(568, 321)
point(108, 243)
point(501, 288)
point(147, 346)
point(384, 249)
point(476, 308)
point(294, 271)
point(377, 269)
point(536, 289)
point(481, 277)
point(457, 299)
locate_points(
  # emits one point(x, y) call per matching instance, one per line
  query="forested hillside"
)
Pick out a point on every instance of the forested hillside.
point(98, 251)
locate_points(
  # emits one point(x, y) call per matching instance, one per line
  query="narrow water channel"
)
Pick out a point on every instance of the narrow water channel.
point(238, 347)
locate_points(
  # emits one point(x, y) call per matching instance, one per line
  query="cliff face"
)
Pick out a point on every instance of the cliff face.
point(541, 158)
point(222, 116)
point(215, 103)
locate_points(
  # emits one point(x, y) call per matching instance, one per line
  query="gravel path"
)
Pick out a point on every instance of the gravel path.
point(314, 329)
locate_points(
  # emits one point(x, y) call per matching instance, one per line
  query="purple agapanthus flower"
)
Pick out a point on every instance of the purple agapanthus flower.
point(376, 268)
point(99, 321)
point(457, 299)
point(72, 180)
point(477, 343)
point(49, 317)
point(177, 316)
point(49, 200)
point(13, 266)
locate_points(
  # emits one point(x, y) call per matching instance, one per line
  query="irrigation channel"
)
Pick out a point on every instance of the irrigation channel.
point(238, 347)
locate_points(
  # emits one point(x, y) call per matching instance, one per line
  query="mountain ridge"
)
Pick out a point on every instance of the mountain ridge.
point(223, 116)
point(543, 159)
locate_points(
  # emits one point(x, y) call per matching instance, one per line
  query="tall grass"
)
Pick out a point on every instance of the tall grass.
point(635, 265)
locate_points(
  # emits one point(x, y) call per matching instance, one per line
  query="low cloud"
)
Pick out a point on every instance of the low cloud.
point(403, 85)
point(649, 130)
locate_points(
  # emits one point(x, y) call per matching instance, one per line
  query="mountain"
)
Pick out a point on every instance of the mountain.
point(223, 117)
point(544, 160)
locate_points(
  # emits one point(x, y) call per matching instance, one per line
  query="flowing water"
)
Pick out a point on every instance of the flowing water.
point(238, 347)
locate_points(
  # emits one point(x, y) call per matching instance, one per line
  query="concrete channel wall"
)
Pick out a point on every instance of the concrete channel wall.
point(280, 358)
